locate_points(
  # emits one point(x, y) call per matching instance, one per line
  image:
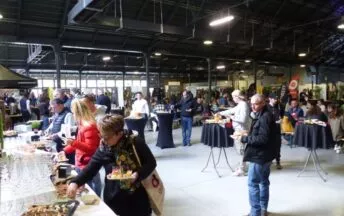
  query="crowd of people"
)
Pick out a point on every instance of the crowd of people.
point(258, 133)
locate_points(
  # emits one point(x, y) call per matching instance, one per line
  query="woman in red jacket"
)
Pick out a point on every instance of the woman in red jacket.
point(86, 142)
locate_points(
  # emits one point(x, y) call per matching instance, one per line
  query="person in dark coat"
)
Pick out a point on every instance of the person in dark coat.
point(102, 99)
point(24, 106)
point(125, 198)
point(260, 151)
point(187, 106)
point(273, 107)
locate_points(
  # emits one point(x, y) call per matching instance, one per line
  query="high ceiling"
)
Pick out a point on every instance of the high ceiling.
point(267, 31)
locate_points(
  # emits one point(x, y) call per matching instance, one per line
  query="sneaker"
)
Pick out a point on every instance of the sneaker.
point(278, 166)
point(239, 172)
point(336, 147)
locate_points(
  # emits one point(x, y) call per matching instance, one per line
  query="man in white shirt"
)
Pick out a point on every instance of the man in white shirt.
point(240, 116)
point(141, 105)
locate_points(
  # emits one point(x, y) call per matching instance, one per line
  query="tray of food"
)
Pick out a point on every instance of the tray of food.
point(67, 208)
point(61, 158)
point(39, 144)
point(119, 175)
point(10, 133)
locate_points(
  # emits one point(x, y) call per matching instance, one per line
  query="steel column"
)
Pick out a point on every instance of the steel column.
point(209, 80)
point(57, 52)
point(147, 55)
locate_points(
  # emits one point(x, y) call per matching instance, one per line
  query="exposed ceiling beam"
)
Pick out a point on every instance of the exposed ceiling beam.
point(20, 5)
point(141, 10)
point(172, 12)
point(63, 19)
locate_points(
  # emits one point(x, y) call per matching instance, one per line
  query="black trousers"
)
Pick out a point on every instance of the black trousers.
point(136, 204)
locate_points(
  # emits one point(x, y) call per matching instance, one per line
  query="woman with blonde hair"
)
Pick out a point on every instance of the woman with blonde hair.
point(86, 142)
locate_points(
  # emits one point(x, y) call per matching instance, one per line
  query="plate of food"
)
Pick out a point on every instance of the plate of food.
point(119, 175)
point(10, 133)
point(39, 144)
point(66, 208)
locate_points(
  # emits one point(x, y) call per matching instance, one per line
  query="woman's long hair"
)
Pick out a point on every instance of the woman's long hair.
point(313, 109)
point(336, 112)
point(82, 112)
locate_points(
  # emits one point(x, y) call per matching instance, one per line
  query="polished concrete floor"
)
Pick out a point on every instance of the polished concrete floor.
point(190, 192)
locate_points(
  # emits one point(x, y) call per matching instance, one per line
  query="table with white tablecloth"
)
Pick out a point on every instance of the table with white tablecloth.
point(25, 180)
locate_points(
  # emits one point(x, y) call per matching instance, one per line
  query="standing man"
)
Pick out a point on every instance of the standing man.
point(24, 106)
point(224, 100)
point(141, 105)
point(260, 151)
point(276, 113)
point(240, 116)
point(187, 106)
point(62, 115)
point(61, 94)
point(102, 99)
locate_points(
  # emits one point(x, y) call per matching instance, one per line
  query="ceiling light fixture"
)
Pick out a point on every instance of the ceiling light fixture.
point(106, 58)
point(220, 67)
point(221, 21)
point(1, 16)
point(242, 71)
point(157, 54)
point(247, 61)
point(302, 65)
point(207, 42)
point(302, 54)
point(340, 26)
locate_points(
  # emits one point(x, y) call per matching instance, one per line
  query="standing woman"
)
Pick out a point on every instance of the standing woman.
point(125, 198)
point(336, 122)
point(86, 142)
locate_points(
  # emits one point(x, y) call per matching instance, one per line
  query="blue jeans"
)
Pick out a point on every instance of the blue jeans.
point(94, 183)
point(258, 187)
point(187, 129)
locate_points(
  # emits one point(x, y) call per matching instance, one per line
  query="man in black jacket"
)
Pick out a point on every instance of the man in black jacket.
point(260, 151)
point(187, 106)
point(103, 99)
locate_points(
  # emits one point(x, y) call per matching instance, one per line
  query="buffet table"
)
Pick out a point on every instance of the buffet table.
point(25, 180)
point(165, 138)
point(313, 137)
point(217, 135)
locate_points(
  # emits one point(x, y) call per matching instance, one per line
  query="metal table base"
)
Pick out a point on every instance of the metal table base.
point(211, 154)
point(316, 163)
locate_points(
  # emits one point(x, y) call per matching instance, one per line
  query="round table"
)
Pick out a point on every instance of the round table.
point(215, 135)
point(312, 137)
point(137, 125)
point(165, 138)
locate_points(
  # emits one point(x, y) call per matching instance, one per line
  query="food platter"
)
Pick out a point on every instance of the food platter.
point(118, 175)
point(10, 133)
point(56, 209)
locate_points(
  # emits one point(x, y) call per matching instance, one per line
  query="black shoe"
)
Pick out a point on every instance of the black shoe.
point(189, 144)
point(278, 166)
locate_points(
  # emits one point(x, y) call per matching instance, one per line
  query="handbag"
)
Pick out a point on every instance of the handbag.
point(154, 188)
point(286, 125)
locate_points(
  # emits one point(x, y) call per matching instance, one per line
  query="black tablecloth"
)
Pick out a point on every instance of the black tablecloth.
point(216, 136)
point(165, 138)
point(313, 136)
point(137, 125)
point(117, 112)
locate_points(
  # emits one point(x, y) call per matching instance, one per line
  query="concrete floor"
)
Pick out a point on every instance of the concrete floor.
point(189, 192)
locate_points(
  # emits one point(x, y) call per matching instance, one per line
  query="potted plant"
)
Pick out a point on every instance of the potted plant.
point(35, 126)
